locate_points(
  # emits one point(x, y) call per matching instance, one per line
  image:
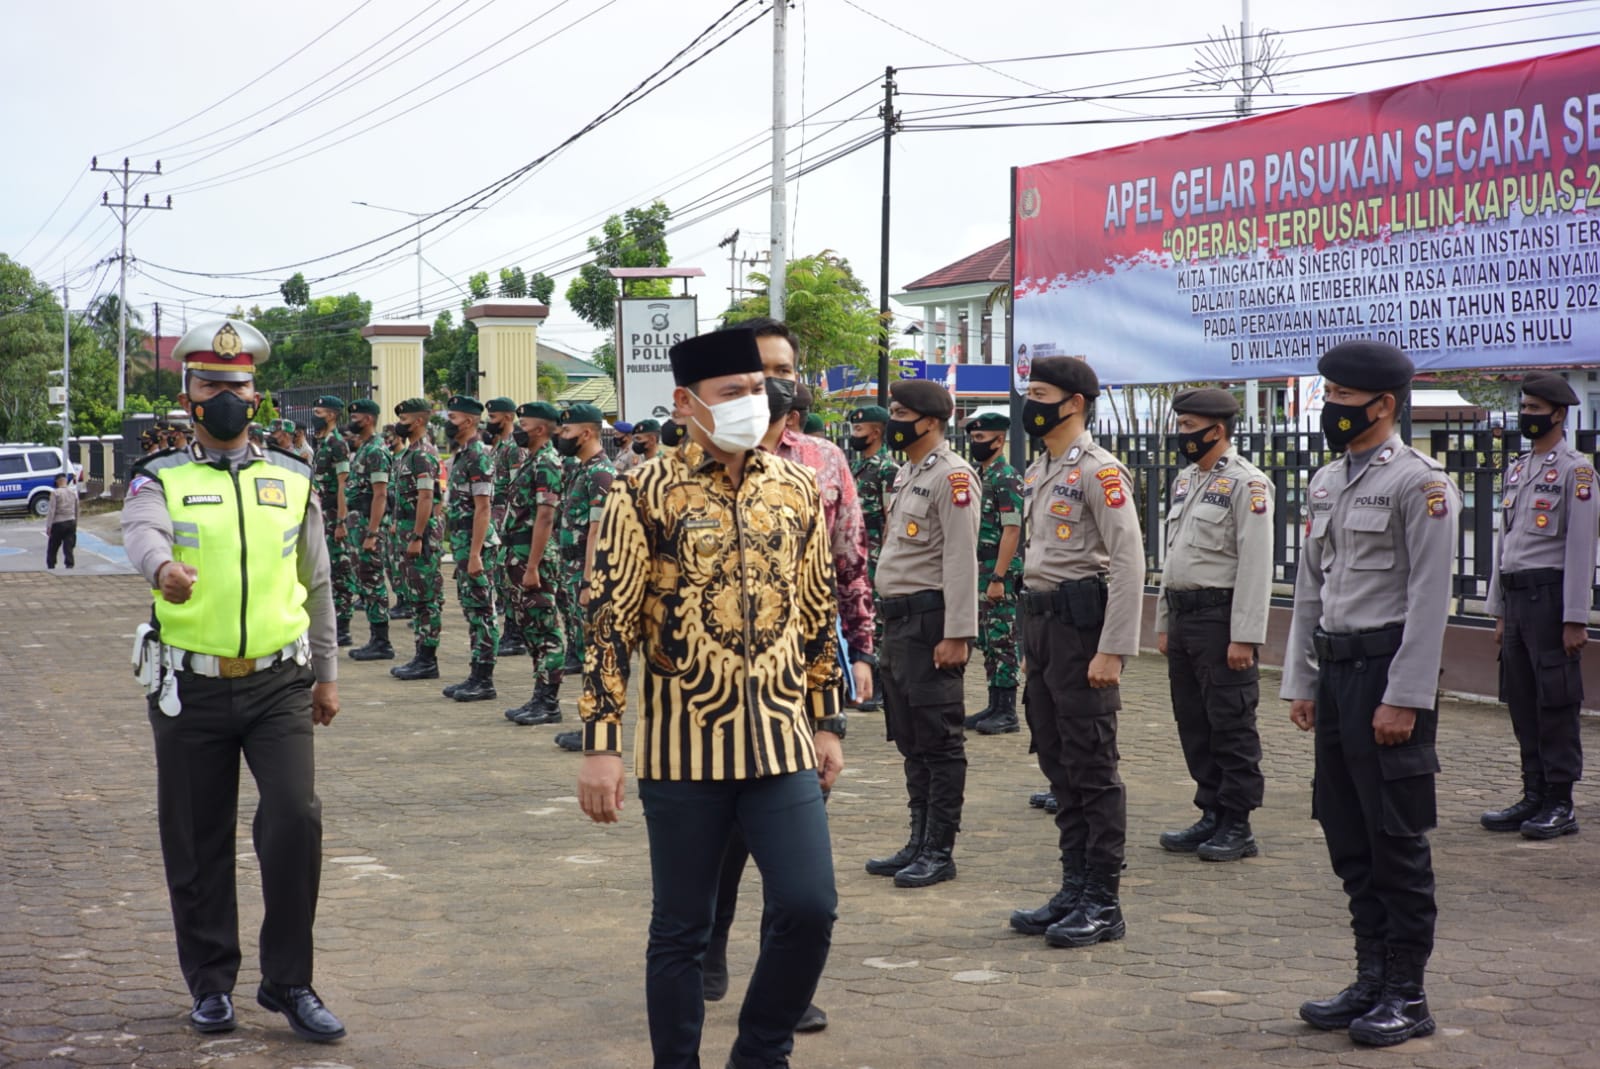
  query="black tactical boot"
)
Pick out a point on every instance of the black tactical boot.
point(1525, 808)
point(571, 741)
point(1040, 799)
point(1232, 841)
point(401, 611)
point(1097, 918)
point(714, 969)
point(1189, 839)
point(479, 686)
point(515, 715)
point(888, 866)
point(544, 708)
point(1343, 1009)
point(1003, 719)
point(425, 665)
point(933, 863)
point(971, 723)
point(1556, 817)
point(342, 636)
point(1061, 904)
point(511, 644)
point(377, 647)
point(1402, 1009)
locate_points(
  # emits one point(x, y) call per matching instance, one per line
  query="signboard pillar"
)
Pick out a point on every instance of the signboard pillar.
point(396, 360)
point(508, 347)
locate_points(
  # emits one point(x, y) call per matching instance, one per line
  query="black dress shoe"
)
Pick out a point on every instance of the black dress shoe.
point(813, 1020)
point(213, 1013)
point(307, 1016)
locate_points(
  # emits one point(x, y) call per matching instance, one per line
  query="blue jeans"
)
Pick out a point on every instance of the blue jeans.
point(689, 824)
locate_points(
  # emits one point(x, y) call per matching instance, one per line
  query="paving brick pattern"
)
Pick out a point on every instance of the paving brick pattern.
point(471, 916)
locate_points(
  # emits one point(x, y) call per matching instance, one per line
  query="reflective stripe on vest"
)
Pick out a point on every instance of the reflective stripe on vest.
point(238, 530)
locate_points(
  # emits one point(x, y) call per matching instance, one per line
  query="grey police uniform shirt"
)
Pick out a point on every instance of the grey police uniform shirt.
point(1379, 552)
point(1549, 518)
point(930, 537)
point(1081, 521)
point(1219, 536)
point(147, 539)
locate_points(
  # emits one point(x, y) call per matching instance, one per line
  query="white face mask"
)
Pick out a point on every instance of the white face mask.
point(740, 423)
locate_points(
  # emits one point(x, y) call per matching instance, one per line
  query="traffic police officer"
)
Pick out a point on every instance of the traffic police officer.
point(367, 501)
point(1540, 591)
point(474, 545)
point(332, 466)
point(1371, 599)
point(999, 571)
point(927, 583)
point(419, 536)
point(1211, 617)
point(874, 471)
point(241, 658)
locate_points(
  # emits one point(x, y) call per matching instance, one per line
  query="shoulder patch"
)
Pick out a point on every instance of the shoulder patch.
point(960, 488)
point(1435, 494)
point(1111, 486)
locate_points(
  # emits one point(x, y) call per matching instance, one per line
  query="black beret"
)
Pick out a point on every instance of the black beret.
point(923, 397)
point(1548, 386)
point(1206, 401)
point(989, 421)
point(365, 406)
point(802, 398)
point(869, 414)
point(710, 356)
point(1068, 372)
point(1370, 366)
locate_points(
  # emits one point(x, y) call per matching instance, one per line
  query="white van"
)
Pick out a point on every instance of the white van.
point(28, 473)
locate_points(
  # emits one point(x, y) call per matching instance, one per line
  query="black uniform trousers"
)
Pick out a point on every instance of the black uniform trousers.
point(1215, 708)
point(63, 536)
point(266, 717)
point(1375, 804)
point(781, 818)
point(1074, 730)
point(1541, 685)
point(924, 708)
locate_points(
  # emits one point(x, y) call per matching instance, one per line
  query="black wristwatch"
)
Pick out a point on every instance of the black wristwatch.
point(869, 659)
point(834, 724)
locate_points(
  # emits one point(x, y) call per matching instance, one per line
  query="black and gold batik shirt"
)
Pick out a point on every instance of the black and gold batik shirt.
point(730, 594)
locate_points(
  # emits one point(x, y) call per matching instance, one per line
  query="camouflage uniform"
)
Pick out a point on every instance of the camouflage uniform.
point(874, 478)
point(536, 612)
point(332, 459)
point(421, 583)
point(581, 505)
point(473, 465)
point(369, 470)
point(997, 621)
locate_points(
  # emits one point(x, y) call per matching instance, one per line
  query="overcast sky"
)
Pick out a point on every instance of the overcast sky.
point(221, 91)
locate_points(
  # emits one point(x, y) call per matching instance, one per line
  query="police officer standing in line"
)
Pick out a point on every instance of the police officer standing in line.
point(583, 500)
point(419, 536)
point(1539, 594)
point(999, 572)
point(241, 659)
point(474, 545)
point(533, 560)
point(1083, 593)
point(1211, 617)
point(1371, 600)
point(367, 500)
point(927, 584)
point(332, 466)
point(874, 471)
point(626, 457)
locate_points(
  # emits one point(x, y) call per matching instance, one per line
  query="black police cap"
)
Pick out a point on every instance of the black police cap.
point(1369, 366)
point(1548, 386)
point(923, 397)
point(1206, 401)
point(1068, 372)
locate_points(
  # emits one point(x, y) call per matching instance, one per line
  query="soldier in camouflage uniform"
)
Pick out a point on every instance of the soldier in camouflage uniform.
point(584, 497)
point(331, 466)
point(999, 572)
point(419, 533)
point(394, 539)
point(874, 471)
point(474, 545)
point(367, 500)
point(500, 417)
point(533, 560)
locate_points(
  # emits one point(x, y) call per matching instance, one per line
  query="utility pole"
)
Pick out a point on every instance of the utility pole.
point(780, 125)
point(158, 349)
point(731, 243)
point(126, 177)
point(889, 120)
point(66, 374)
point(419, 217)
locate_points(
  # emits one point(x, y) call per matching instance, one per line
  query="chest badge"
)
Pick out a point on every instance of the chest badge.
point(272, 492)
point(912, 530)
point(1542, 520)
point(1063, 531)
point(1073, 476)
point(1061, 508)
point(1552, 475)
point(1320, 492)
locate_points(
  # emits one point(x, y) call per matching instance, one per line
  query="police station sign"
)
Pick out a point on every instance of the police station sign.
point(1457, 218)
point(647, 328)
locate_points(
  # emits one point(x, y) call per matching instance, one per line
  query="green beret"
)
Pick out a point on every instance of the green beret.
point(470, 406)
point(584, 413)
point(329, 401)
point(412, 405)
point(366, 406)
point(500, 404)
point(989, 421)
point(1368, 366)
point(923, 397)
point(285, 426)
point(869, 414)
point(1548, 386)
point(647, 426)
point(1067, 372)
point(539, 410)
point(813, 423)
point(1205, 401)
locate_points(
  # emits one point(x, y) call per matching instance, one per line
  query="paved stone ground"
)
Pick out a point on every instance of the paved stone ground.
point(472, 917)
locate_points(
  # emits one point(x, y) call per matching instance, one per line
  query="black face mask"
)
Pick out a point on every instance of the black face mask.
point(639, 447)
point(520, 437)
point(567, 447)
point(1039, 418)
point(1342, 424)
point(859, 443)
point(902, 433)
point(487, 434)
point(225, 416)
point(1535, 425)
point(780, 398)
point(1192, 445)
point(982, 451)
point(671, 434)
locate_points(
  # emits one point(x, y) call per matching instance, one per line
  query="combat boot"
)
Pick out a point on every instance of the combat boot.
point(1189, 839)
point(425, 665)
point(1347, 1006)
point(1525, 808)
point(888, 866)
point(570, 741)
point(544, 708)
point(1232, 840)
point(971, 723)
point(1097, 918)
point(1003, 719)
point(342, 635)
point(479, 686)
point(1061, 904)
point(402, 611)
point(377, 647)
point(1402, 1010)
point(515, 715)
point(933, 863)
point(511, 644)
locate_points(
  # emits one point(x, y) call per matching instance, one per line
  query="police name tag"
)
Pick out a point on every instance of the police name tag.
point(202, 499)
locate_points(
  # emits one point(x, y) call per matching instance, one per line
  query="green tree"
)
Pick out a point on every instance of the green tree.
point(478, 285)
point(30, 349)
point(320, 342)
point(637, 238)
point(513, 283)
point(551, 380)
point(830, 311)
point(541, 287)
point(296, 291)
point(605, 358)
